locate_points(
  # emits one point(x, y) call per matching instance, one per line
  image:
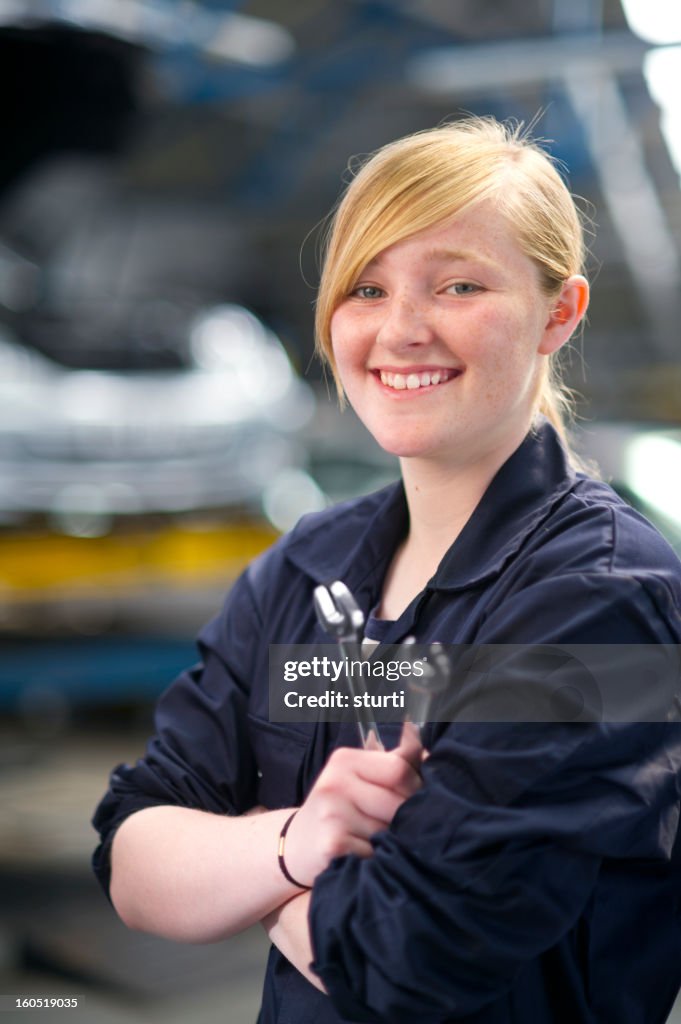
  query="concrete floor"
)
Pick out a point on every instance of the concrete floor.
point(234, 1001)
point(58, 934)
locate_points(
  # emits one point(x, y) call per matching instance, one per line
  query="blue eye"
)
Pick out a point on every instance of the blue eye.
point(464, 288)
point(368, 291)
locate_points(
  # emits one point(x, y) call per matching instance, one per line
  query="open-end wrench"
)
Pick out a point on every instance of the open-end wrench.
point(339, 615)
point(423, 689)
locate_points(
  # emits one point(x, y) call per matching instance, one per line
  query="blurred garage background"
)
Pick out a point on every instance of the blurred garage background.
point(164, 171)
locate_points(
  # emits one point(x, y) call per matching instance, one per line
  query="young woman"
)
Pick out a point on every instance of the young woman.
point(516, 873)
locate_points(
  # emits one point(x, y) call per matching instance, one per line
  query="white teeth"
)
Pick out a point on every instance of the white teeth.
point(412, 381)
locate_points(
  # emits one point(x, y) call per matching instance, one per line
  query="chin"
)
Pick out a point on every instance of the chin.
point(406, 447)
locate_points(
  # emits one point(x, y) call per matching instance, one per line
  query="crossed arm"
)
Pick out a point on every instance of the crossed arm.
point(192, 876)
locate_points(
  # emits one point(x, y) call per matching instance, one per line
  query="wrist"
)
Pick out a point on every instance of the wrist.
point(281, 854)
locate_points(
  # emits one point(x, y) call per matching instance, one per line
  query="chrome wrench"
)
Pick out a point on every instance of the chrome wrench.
point(339, 615)
point(423, 689)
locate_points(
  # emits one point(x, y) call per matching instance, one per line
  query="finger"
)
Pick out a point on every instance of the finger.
point(373, 742)
point(360, 847)
point(374, 805)
point(389, 770)
point(348, 833)
point(410, 747)
point(382, 768)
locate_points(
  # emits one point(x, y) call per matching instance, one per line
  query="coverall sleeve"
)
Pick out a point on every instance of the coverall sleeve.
point(200, 755)
point(489, 865)
point(492, 862)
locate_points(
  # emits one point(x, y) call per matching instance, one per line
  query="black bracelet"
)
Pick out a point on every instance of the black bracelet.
point(280, 854)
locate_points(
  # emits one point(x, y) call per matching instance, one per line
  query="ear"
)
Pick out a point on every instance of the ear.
point(566, 312)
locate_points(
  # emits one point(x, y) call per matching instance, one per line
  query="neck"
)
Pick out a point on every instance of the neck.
point(441, 498)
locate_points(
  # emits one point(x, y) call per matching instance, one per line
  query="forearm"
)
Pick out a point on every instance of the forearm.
point(288, 929)
point(355, 796)
point(197, 877)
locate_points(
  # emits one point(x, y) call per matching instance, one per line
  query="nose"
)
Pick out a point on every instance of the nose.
point(405, 324)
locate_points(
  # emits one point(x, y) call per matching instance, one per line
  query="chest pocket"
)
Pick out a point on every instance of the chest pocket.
point(279, 753)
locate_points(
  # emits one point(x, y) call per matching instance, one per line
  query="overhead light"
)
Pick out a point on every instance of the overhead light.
point(659, 22)
point(662, 70)
point(655, 21)
point(653, 471)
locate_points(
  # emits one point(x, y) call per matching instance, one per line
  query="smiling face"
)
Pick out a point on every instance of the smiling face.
point(442, 342)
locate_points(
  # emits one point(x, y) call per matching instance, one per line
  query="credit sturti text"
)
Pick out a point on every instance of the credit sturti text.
point(338, 699)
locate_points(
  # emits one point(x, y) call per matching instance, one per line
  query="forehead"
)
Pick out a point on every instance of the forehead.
point(480, 233)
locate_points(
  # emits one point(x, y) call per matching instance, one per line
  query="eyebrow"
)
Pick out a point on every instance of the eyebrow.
point(454, 255)
point(446, 256)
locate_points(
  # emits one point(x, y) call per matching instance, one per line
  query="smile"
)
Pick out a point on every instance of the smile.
point(414, 381)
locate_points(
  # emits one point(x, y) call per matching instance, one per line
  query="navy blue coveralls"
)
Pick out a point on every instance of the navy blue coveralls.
point(536, 876)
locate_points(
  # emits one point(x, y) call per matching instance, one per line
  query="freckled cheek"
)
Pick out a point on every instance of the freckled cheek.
point(337, 336)
point(476, 336)
point(490, 356)
point(349, 345)
point(500, 371)
point(339, 341)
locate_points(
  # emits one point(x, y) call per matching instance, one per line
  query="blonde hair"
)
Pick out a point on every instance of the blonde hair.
point(426, 178)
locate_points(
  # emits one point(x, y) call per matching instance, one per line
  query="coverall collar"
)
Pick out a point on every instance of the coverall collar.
point(361, 544)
